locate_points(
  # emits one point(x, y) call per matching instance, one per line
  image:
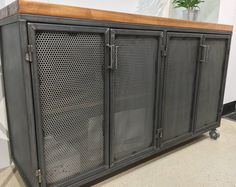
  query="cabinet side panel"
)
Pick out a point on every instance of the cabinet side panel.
point(16, 100)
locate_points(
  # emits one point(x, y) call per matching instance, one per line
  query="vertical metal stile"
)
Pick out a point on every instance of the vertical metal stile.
point(35, 85)
point(198, 75)
point(107, 101)
point(164, 47)
point(111, 134)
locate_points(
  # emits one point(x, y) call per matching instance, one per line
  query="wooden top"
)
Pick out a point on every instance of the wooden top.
point(38, 8)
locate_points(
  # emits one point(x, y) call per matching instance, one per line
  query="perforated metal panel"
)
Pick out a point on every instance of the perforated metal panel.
point(211, 83)
point(71, 85)
point(180, 75)
point(134, 94)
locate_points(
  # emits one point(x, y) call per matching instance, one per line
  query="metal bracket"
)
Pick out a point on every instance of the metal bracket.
point(29, 54)
point(163, 45)
point(163, 51)
point(159, 133)
point(38, 174)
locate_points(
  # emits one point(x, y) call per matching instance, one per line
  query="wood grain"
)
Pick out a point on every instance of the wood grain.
point(38, 8)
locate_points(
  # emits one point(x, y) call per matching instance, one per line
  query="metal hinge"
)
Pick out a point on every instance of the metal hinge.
point(162, 35)
point(38, 174)
point(159, 133)
point(163, 45)
point(163, 51)
point(221, 110)
point(29, 54)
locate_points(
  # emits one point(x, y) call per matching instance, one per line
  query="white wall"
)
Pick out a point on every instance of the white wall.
point(2, 3)
point(227, 15)
point(146, 7)
point(209, 11)
point(7, 2)
point(4, 140)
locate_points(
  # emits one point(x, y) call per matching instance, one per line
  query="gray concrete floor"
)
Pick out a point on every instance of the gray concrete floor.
point(201, 163)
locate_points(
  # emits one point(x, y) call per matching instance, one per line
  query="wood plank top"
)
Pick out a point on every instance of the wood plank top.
point(39, 8)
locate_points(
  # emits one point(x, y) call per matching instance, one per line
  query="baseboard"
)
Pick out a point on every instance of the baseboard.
point(228, 108)
point(5, 160)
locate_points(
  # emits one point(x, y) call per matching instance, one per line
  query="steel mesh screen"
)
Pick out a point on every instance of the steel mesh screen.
point(181, 67)
point(134, 92)
point(211, 83)
point(71, 85)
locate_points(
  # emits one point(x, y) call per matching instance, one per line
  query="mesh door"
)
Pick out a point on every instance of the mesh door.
point(71, 86)
point(211, 83)
point(181, 68)
point(134, 94)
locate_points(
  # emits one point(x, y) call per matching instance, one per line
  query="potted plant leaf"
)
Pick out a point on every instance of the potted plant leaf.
point(191, 8)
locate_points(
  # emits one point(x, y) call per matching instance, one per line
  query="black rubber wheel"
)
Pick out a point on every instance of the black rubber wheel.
point(214, 135)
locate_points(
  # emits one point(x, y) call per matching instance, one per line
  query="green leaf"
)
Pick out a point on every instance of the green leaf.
point(188, 4)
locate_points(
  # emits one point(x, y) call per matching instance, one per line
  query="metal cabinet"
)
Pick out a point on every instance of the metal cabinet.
point(95, 97)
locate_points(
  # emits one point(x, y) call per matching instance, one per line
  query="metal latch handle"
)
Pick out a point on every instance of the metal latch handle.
point(110, 66)
point(113, 49)
point(205, 53)
point(116, 55)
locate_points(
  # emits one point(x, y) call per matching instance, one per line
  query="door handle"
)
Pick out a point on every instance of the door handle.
point(110, 66)
point(116, 56)
point(205, 53)
point(113, 56)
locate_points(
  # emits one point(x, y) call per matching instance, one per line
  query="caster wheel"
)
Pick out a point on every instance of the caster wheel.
point(214, 134)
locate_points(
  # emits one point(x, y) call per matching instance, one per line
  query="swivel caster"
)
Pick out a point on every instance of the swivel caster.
point(214, 134)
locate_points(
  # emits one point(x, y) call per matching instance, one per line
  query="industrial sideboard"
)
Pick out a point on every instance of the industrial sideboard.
point(90, 92)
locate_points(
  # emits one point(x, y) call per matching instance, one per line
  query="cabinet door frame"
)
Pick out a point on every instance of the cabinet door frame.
point(151, 150)
point(32, 29)
point(223, 81)
point(185, 136)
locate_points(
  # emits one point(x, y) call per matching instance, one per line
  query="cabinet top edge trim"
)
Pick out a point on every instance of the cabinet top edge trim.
point(46, 9)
